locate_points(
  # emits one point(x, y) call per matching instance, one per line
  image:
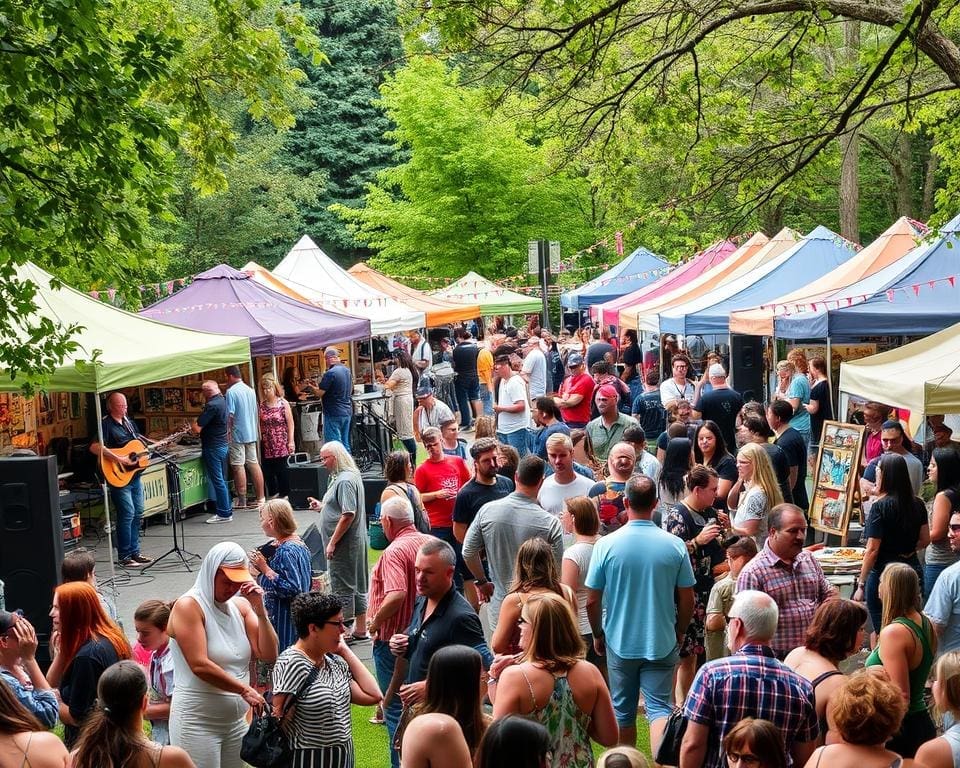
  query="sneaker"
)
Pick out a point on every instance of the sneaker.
point(141, 558)
point(242, 504)
point(217, 519)
point(352, 639)
point(130, 563)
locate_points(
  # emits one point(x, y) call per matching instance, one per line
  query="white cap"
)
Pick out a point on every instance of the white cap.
point(716, 371)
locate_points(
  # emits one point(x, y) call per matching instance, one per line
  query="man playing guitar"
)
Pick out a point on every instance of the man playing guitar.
point(127, 501)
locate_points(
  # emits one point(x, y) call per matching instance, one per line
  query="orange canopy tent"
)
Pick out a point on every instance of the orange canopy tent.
point(265, 277)
point(898, 240)
point(438, 311)
point(754, 252)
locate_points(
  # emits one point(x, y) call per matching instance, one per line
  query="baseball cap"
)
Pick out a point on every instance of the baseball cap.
point(574, 359)
point(236, 572)
point(608, 391)
point(331, 352)
point(716, 371)
point(424, 388)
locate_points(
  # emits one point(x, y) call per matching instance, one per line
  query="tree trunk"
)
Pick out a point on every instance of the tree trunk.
point(850, 153)
point(905, 178)
point(930, 183)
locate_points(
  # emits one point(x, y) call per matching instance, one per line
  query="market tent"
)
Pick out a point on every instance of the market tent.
point(608, 313)
point(899, 239)
point(638, 269)
point(921, 299)
point(749, 258)
point(116, 348)
point(266, 278)
point(438, 311)
point(310, 272)
point(816, 254)
point(223, 298)
point(493, 299)
point(923, 376)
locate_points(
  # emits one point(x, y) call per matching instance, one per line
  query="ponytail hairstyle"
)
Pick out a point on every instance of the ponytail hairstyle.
point(82, 618)
point(154, 612)
point(111, 736)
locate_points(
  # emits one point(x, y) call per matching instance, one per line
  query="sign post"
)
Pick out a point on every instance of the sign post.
point(542, 257)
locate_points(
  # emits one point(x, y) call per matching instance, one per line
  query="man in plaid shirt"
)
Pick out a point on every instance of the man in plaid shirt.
point(790, 575)
point(750, 683)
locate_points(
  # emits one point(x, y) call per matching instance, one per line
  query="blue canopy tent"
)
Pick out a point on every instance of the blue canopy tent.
point(812, 257)
point(638, 269)
point(922, 299)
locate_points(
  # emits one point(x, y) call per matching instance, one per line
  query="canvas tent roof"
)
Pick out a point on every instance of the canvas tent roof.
point(922, 299)
point(493, 299)
point(608, 313)
point(900, 238)
point(923, 376)
point(130, 350)
point(438, 311)
point(223, 298)
point(638, 269)
point(815, 255)
point(310, 272)
point(748, 259)
point(269, 280)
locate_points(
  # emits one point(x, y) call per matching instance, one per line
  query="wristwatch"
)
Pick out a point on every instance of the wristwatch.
point(482, 582)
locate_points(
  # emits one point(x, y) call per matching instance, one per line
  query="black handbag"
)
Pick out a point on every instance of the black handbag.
point(668, 753)
point(265, 745)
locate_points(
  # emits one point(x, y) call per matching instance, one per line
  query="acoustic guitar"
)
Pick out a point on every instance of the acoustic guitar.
point(119, 475)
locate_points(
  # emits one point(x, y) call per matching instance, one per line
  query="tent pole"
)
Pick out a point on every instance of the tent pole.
point(829, 362)
point(106, 499)
point(273, 366)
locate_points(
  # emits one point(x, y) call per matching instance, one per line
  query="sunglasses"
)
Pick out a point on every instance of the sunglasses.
point(341, 624)
point(954, 527)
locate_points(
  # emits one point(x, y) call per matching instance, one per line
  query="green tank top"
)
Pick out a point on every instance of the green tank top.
point(918, 676)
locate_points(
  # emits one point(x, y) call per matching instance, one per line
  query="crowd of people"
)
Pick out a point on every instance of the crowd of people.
point(607, 545)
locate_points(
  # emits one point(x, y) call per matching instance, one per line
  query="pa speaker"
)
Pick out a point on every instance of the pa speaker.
point(746, 366)
point(373, 486)
point(31, 540)
point(306, 480)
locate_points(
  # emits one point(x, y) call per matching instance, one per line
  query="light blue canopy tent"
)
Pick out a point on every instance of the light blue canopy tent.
point(811, 258)
point(919, 298)
point(640, 268)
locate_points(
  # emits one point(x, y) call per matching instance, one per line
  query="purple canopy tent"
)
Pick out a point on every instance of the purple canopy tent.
point(225, 300)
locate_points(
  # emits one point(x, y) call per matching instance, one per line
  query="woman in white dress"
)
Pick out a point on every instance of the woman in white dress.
point(214, 628)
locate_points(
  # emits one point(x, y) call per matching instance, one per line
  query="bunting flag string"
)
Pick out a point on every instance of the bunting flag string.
point(911, 291)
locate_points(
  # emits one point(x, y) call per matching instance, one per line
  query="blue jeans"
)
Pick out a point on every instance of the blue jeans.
point(337, 428)
point(518, 439)
point(128, 507)
point(466, 393)
point(930, 575)
point(384, 662)
point(486, 398)
point(213, 458)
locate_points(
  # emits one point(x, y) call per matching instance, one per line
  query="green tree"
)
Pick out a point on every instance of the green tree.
point(342, 134)
point(473, 190)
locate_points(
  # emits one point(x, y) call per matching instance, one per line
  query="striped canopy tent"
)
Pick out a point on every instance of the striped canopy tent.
point(889, 248)
point(493, 299)
point(640, 268)
point(438, 311)
point(750, 256)
point(608, 313)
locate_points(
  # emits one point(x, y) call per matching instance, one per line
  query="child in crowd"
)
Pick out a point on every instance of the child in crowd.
point(453, 445)
point(150, 620)
point(79, 565)
point(944, 752)
point(740, 550)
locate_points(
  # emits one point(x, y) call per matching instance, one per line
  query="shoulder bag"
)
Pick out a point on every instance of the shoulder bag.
point(668, 753)
point(265, 745)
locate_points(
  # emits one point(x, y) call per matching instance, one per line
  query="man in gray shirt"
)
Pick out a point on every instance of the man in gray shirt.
point(501, 526)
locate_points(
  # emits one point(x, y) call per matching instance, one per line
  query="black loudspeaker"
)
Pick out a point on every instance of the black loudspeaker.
point(746, 365)
point(306, 480)
point(373, 486)
point(31, 540)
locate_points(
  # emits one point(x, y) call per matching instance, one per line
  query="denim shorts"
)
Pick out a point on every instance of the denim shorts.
point(630, 676)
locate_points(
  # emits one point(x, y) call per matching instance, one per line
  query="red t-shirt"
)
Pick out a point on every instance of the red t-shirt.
point(577, 385)
point(431, 476)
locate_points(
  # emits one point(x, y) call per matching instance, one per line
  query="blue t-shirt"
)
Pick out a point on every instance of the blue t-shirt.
point(943, 608)
point(541, 444)
point(242, 406)
point(213, 423)
point(337, 384)
point(638, 568)
point(800, 387)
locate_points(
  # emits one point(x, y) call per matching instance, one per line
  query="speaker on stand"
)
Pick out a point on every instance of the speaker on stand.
point(746, 365)
point(31, 540)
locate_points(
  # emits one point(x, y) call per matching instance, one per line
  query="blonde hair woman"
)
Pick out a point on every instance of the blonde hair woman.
point(277, 436)
point(758, 493)
point(553, 684)
point(944, 752)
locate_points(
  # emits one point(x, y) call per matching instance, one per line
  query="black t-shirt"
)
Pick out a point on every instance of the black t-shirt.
point(781, 468)
point(465, 362)
point(597, 352)
point(632, 356)
point(474, 495)
point(118, 434)
point(213, 423)
point(898, 529)
point(649, 412)
point(821, 393)
point(78, 689)
point(794, 446)
point(722, 406)
point(453, 622)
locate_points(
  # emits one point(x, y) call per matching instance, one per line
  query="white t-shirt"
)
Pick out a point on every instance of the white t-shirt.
point(670, 391)
point(513, 390)
point(535, 366)
point(553, 494)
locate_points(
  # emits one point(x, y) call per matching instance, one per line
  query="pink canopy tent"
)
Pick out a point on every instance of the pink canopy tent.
point(608, 312)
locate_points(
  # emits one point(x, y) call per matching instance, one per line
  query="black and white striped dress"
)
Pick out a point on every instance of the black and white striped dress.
point(320, 732)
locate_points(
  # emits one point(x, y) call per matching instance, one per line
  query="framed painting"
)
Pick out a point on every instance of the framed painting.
point(172, 399)
point(152, 399)
point(835, 477)
point(193, 399)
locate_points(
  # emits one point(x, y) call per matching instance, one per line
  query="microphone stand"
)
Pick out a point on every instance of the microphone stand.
point(176, 509)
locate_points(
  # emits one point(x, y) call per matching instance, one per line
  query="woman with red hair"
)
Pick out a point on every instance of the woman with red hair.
point(89, 642)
